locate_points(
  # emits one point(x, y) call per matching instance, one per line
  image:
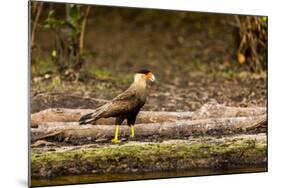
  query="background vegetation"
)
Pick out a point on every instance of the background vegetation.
point(93, 51)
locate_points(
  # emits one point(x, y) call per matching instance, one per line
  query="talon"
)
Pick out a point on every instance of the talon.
point(115, 141)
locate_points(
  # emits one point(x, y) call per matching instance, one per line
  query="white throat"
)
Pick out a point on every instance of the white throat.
point(140, 80)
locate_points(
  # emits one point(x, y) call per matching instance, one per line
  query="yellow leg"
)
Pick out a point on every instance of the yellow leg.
point(132, 131)
point(115, 140)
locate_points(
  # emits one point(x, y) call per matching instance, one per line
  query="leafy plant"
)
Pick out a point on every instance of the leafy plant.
point(252, 41)
point(69, 35)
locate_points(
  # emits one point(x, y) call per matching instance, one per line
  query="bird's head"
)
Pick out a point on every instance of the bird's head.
point(144, 74)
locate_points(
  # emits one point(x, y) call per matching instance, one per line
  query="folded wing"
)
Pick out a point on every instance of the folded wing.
point(120, 105)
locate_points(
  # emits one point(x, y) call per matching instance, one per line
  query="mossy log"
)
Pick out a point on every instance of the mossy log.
point(204, 152)
point(73, 133)
point(209, 110)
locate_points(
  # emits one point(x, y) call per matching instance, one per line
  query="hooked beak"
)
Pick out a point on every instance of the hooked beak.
point(151, 77)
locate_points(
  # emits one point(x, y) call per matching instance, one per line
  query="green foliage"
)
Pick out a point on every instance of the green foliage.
point(43, 66)
point(51, 22)
point(66, 52)
point(72, 22)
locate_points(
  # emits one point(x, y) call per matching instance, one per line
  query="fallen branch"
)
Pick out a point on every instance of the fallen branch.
point(73, 133)
point(259, 123)
point(210, 153)
point(72, 115)
point(209, 110)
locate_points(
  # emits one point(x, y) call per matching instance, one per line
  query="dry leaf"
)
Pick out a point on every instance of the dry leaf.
point(241, 58)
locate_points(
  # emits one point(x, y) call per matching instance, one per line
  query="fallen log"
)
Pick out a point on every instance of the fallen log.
point(73, 133)
point(205, 152)
point(209, 110)
point(259, 123)
point(72, 115)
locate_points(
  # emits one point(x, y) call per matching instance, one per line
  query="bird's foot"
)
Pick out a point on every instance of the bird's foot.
point(115, 140)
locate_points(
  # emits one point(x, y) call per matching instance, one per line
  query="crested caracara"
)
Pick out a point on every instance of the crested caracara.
point(125, 106)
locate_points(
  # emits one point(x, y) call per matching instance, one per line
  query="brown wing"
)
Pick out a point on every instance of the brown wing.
point(122, 104)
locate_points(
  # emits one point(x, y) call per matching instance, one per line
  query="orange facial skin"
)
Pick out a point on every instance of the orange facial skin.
point(150, 76)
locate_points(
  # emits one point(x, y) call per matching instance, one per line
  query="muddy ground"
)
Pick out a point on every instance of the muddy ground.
point(162, 96)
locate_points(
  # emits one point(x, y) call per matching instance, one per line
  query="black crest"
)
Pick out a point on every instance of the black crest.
point(143, 71)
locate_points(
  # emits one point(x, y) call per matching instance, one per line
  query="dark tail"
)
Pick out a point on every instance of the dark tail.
point(95, 115)
point(92, 117)
point(88, 118)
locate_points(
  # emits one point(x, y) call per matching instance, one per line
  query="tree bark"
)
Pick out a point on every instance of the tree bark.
point(35, 22)
point(209, 110)
point(73, 133)
point(83, 26)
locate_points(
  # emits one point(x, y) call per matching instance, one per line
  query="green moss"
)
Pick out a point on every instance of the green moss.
point(146, 156)
point(43, 66)
point(106, 74)
point(54, 84)
point(101, 86)
point(144, 151)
